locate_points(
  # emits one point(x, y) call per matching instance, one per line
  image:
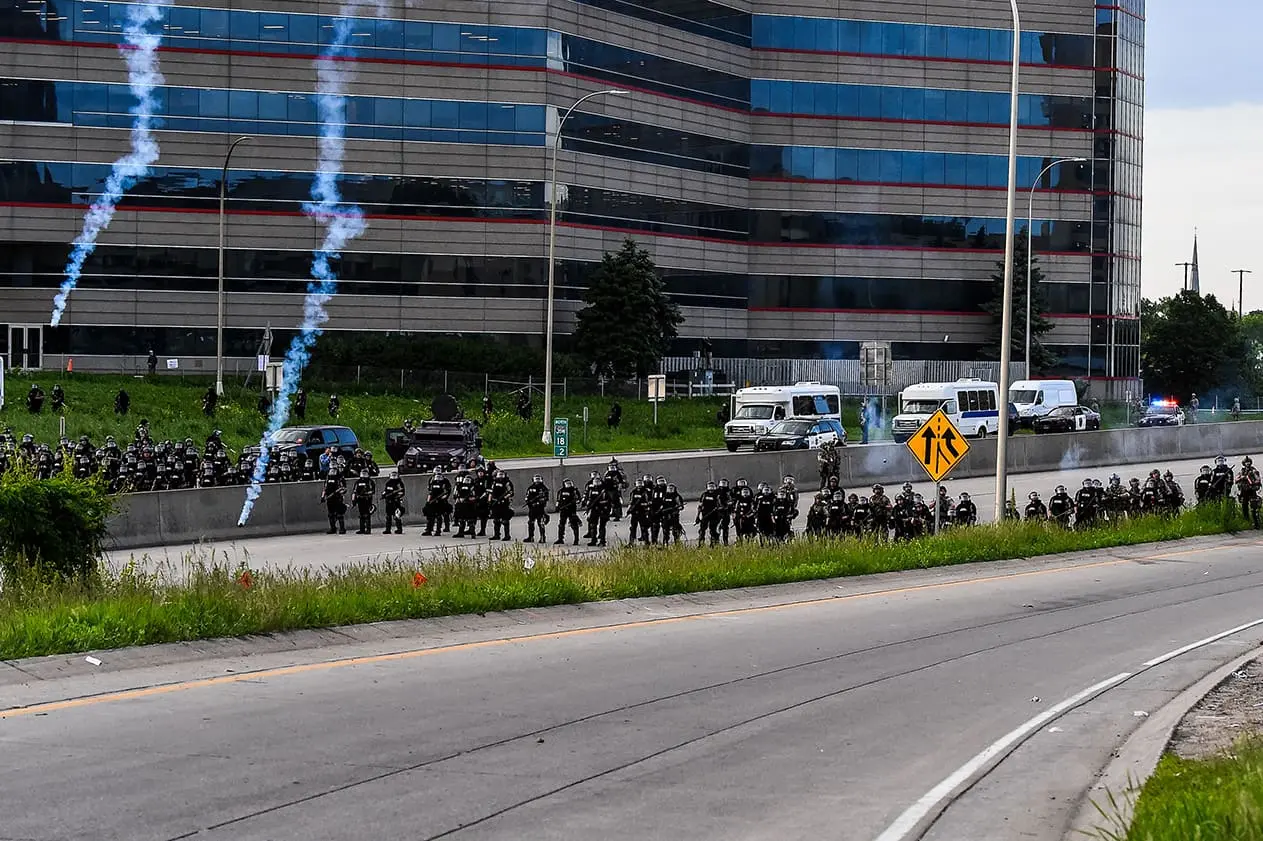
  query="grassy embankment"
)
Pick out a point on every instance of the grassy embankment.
point(1215, 799)
point(220, 596)
point(174, 410)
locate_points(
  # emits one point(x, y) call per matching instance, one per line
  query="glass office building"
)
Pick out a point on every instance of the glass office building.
point(805, 182)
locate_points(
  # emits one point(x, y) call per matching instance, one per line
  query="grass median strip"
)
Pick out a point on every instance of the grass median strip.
point(221, 596)
point(1215, 799)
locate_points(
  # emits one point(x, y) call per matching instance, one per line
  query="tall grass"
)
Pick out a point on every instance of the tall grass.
point(219, 595)
point(1216, 799)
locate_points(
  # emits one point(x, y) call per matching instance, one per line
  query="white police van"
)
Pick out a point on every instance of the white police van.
point(1034, 399)
point(972, 405)
point(756, 410)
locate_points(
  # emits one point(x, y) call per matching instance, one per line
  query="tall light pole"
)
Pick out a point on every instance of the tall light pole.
point(1241, 273)
point(547, 437)
point(1006, 329)
point(1030, 241)
point(219, 307)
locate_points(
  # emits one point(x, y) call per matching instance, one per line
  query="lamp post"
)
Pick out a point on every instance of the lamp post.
point(1006, 329)
point(1241, 273)
point(1030, 240)
point(547, 437)
point(219, 305)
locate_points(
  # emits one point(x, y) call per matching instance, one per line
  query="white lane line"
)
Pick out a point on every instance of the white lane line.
point(908, 821)
point(920, 816)
point(1158, 661)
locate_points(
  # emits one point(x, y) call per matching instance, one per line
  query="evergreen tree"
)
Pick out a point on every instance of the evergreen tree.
point(629, 321)
point(1042, 360)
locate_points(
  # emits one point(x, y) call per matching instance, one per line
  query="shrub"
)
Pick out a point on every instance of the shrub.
point(51, 528)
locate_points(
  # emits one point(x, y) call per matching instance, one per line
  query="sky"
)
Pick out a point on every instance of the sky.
point(1203, 136)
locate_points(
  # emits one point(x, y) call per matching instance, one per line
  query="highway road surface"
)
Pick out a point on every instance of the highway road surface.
point(316, 551)
point(854, 709)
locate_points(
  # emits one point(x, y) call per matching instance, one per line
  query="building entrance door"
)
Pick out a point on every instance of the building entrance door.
point(25, 343)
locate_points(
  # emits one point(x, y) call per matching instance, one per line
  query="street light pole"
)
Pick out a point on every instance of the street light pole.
point(547, 437)
point(1241, 273)
point(219, 306)
point(1030, 241)
point(1006, 329)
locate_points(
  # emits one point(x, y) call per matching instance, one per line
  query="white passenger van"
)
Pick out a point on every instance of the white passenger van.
point(1036, 398)
point(755, 410)
point(972, 405)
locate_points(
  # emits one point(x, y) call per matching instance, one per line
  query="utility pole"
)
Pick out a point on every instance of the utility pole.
point(1241, 273)
point(1186, 266)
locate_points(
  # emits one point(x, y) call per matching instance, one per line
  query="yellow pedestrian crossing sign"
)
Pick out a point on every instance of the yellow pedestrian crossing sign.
point(938, 446)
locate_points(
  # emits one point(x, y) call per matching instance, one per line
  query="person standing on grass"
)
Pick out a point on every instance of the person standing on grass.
point(335, 406)
point(1193, 406)
point(122, 402)
point(59, 398)
point(300, 404)
point(209, 401)
point(152, 362)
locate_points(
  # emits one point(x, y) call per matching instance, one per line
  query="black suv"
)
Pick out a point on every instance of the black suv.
point(314, 440)
point(430, 444)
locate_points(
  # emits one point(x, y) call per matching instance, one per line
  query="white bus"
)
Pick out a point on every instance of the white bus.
point(973, 406)
point(755, 410)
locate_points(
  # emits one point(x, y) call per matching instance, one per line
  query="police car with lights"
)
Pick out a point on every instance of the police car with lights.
point(1162, 413)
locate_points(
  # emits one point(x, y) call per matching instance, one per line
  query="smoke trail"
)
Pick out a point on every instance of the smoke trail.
point(140, 51)
point(342, 224)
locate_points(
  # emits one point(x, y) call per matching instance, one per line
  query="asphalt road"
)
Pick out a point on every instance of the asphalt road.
point(315, 551)
point(815, 711)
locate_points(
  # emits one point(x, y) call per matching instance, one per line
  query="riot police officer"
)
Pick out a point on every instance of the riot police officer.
point(672, 505)
point(335, 406)
point(615, 481)
point(300, 404)
point(537, 496)
point(764, 508)
point(1060, 507)
point(784, 512)
point(657, 506)
point(638, 510)
point(567, 512)
point(59, 398)
point(818, 514)
point(466, 508)
point(1174, 493)
point(209, 401)
point(1085, 505)
point(838, 521)
point(1201, 485)
point(501, 494)
point(334, 498)
point(1036, 509)
point(1248, 487)
point(708, 514)
point(1221, 480)
point(879, 513)
point(362, 497)
point(743, 510)
point(482, 498)
point(724, 513)
point(599, 503)
point(35, 399)
point(966, 513)
point(437, 508)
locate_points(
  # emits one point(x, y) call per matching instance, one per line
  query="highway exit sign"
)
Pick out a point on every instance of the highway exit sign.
point(938, 446)
point(561, 437)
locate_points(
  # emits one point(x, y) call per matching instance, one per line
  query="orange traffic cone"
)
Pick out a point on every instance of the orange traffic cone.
point(70, 365)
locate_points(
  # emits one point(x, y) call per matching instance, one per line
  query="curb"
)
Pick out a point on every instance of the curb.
point(1133, 763)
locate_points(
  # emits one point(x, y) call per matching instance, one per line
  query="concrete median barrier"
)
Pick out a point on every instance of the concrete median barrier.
point(210, 514)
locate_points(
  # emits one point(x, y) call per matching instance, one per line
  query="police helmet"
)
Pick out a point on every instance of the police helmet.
point(822, 496)
point(394, 474)
point(223, 453)
point(1168, 475)
point(788, 481)
point(1096, 483)
point(364, 473)
point(1220, 461)
point(28, 438)
point(215, 434)
point(1060, 489)
point(1116, 479)
point(853, 499)
point(710, 486)
point(1087, 483)
point(567, 483)
point(741, 483)
point(499, 474)
point(863, 500)
point(919, 498)
point(1133, 480)
point(662, 480)
point(907, 487)
point(878, 489)
point(613, 462)
point(964, 497)
point(1205, 468)
point(592, 474)
point(537, 478)
point(1247, 461)
point(1033, 496)
point(671, 487)
point(438, 471)
point(723, 483)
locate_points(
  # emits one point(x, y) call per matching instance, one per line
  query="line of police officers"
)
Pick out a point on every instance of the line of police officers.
point(654, 506)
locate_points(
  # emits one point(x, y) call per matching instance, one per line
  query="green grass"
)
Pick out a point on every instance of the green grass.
point(1216, 799)
point(174, 410)
point(204, 598)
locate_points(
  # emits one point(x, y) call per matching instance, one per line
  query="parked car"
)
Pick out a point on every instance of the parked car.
point(1162, 413)
point(1068, 419)
point(1014, 418)
point(314, 440)
point(801, 435)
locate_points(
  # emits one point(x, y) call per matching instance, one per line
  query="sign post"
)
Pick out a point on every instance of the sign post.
point(938, 446)
point(657, 393)
point(561, 439)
